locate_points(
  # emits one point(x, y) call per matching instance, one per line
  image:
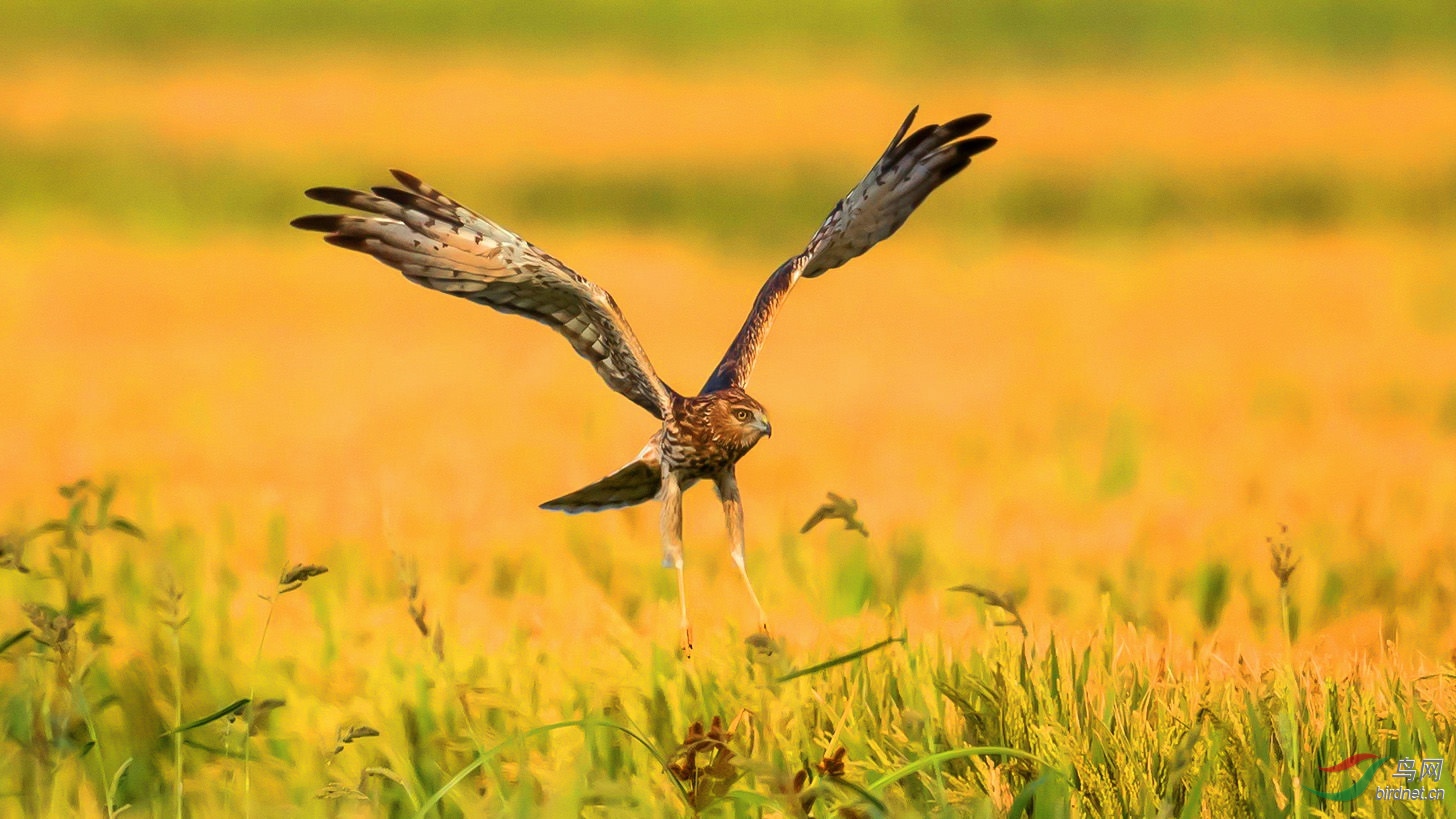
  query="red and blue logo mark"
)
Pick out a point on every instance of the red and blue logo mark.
point(1360, 785)
point(1405, 768)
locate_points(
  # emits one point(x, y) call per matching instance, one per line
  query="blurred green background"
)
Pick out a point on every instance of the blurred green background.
point(909, 35)
point(119, 170)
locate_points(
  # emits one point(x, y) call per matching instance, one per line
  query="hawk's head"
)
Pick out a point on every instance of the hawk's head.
point(740, 417)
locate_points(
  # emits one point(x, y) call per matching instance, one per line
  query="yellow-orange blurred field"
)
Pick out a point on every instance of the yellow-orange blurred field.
point(526, 111)
point(1200, 297)
point(976, 386)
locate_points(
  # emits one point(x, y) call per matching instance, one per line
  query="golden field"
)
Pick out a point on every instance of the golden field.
point(1105, 420)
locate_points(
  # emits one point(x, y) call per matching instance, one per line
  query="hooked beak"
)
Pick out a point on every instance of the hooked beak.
point(765, 427)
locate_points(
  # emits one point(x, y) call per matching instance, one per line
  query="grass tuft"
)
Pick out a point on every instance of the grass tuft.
point(1106, 721)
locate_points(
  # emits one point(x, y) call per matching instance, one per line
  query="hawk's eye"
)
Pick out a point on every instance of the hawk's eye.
point(742, 414)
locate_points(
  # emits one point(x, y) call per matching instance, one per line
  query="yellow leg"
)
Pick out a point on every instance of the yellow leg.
point(672, 552)
point(682, 596)
point(743, 570)
point(727, 485)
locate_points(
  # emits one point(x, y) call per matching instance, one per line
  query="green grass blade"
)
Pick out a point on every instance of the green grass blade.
point(13, 639)
point(864, 794)
point(213, 717)
point(842, 659)
point(1023, 799)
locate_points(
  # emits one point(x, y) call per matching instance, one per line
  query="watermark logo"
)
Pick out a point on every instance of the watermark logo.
point(1414, 772)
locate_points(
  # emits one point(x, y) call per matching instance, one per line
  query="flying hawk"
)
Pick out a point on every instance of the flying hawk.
point(439, 243)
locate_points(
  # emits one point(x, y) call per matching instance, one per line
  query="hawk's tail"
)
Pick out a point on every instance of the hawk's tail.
point(634, 483)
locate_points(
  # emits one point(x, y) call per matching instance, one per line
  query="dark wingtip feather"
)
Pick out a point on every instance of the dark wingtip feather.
point(904, 126)
point(405, 199)
point(402, 198)
point(922, 134)
point(970, 147)
point(909, 120)
point(947, 169)
point(323, 222)
point(407, 179)
point(932, 137)
point(331, 195)
point(419, 202)
point(960, 154)
point(346, 242)
point(564, 504)
point(961, 126)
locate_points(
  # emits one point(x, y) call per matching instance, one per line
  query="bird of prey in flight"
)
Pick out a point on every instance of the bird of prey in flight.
point(439, 243)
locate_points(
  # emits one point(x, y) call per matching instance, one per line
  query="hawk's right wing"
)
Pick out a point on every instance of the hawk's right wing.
point(907, 172)
point(439, 243)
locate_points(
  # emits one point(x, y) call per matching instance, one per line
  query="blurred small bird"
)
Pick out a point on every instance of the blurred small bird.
point(837, 508)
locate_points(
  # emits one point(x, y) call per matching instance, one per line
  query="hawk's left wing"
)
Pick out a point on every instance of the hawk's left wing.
point(439, 243)
point(910, 168)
